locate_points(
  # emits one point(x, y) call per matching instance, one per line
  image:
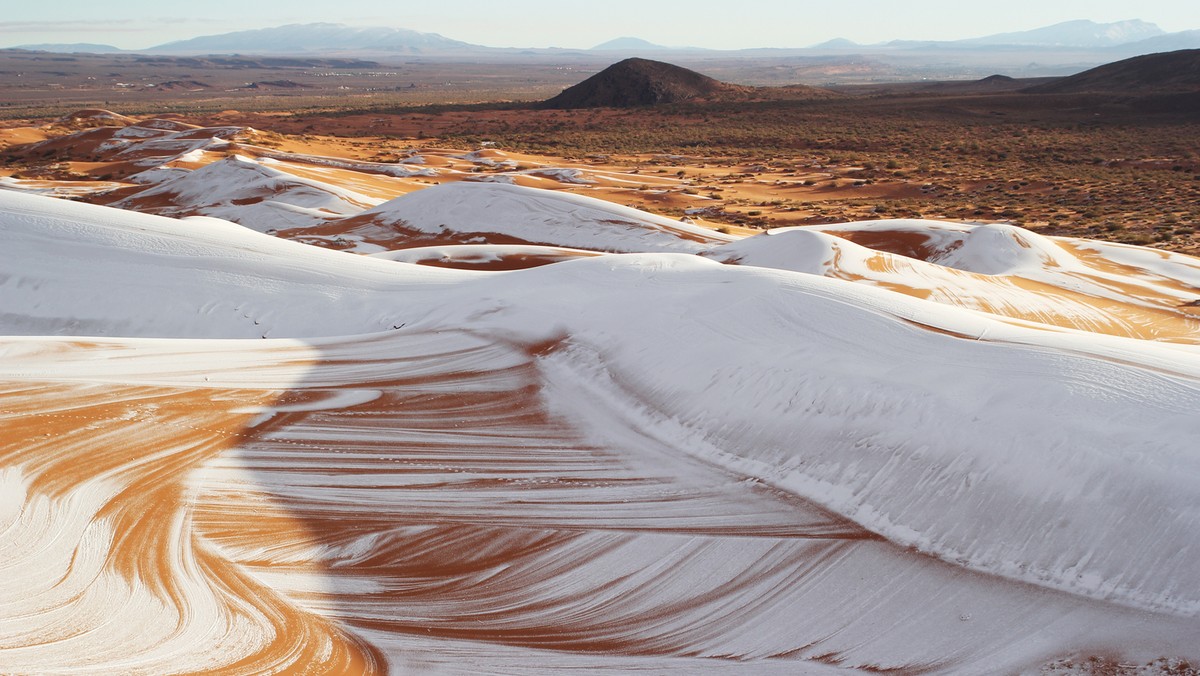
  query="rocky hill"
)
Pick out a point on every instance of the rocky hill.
point(641, 82)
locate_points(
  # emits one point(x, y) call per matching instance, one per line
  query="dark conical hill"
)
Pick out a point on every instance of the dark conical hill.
point(642, 82)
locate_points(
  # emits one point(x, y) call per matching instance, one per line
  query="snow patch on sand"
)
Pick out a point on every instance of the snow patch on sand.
point(540, 217)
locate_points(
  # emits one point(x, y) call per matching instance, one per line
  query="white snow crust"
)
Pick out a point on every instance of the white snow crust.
point(540, 217)
point(251, 193)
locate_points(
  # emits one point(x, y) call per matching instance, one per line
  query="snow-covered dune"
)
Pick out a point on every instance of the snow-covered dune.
point(499, 213)
point(144, 144)
point(827, 458)
point(79, 269)
point(999, 269)
point(248, 192)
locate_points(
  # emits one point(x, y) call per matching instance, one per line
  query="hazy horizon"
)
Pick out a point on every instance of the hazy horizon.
point(140, 24)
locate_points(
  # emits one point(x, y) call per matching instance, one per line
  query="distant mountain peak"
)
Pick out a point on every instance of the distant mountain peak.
point(1076, 33)
point(71, 48)
point(837, 43)
point(315, 37)
point(627, 43)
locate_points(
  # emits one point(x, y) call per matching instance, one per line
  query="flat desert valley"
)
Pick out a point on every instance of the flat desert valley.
point(884, 380)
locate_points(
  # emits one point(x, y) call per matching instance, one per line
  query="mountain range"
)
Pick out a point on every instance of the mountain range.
point(1124, 37)
point(1080, 33)
point(315, 37)
point(72, 48)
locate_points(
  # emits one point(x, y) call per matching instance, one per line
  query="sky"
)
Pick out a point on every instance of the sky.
point(727, 24)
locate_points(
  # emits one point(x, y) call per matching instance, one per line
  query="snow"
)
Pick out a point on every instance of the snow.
point(151, 146)
point(556, 174)
point(1002, 249)
point(168, 125)
point(56, 188)
point(854, 409)
point(999, 269)
point(196, 155)
point(559, 174)
point(488, 158)
point(386, 169)
point(249, 192)
point(1150, 262)
point(161, 174)
point(85, 270)
point(507, 178)
point(139, 131)
point(540, 217)
point(795, 249)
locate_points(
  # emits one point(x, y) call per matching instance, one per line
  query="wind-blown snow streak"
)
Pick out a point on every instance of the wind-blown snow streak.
point(103, 571)
point(625, 462)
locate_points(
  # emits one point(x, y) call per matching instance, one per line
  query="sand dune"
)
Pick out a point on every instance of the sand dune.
point(157, 151)
point(545, 433)
point(1002, 270)
point(501, 213)
point(250, 192)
